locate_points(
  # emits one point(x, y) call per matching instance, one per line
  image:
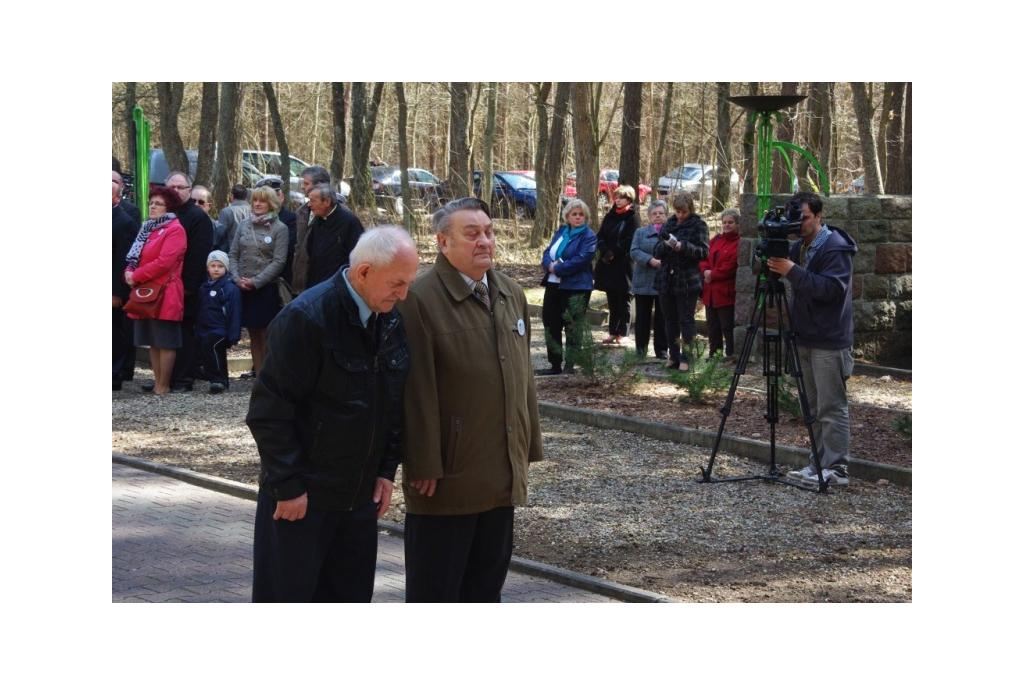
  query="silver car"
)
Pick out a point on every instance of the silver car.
point(696, 179)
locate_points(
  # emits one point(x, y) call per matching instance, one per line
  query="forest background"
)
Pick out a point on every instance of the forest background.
point(642, 128)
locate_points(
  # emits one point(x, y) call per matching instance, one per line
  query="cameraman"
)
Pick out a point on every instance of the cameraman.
point(820, 273)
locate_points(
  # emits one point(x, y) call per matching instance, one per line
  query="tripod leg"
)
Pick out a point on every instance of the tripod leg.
point(741, 365)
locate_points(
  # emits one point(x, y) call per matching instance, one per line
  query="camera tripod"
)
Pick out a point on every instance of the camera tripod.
point(771, 293)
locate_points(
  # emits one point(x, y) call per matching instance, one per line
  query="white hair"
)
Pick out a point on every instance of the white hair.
point(379, 246)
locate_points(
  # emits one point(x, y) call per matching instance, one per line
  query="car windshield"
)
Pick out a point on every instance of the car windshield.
point(687, 173)
point(520, 182)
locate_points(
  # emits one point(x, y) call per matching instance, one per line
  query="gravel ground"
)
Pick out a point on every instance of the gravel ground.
point(618, 506)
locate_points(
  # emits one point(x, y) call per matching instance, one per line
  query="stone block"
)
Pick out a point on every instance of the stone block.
point(903, 319)
point(858, 287)
point(866, 347)
point(901, 231)
point(901, 287)
point(870, 231)
point(875, 287)
point(864, 260)
point(897, 206)
point(864, 208)
point(836, 209)
point(895, 349)
point(893, 258)
point(873, 316)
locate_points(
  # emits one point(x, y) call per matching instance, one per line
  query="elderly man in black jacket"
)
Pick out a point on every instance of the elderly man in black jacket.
point(199, 232)
point(326, 414)
point(333, 232)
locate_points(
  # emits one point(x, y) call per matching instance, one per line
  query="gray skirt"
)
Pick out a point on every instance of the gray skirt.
point(158, 333)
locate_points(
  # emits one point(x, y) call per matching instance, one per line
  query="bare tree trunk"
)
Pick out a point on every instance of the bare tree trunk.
point(549, 187)
point(883, 126)
point(659, 169)
point(282, 141)
point(487, 176)
point(541, 93)
point(458, 140)
point(629, 152)
point(781, 182)
point(749, 153)
point(403, 151)
point(130, 102)
point(364, 121)
point(588, 171)
point(722, 193)
point(869, 151)
point(907, 147)
point(338, 150)
point(208, 138)
point(170, 96)
point(819, 105)
point(229, 137)
point(894, 181)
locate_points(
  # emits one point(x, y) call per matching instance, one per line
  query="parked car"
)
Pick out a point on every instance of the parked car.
point(268, 163)
point(609, 181)
point(696, 179)
point(158, 171)
point(512, 194)
point(424, 186)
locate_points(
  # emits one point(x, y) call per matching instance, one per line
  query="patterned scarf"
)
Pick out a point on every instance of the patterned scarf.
point(143, 236)
point(265, 220)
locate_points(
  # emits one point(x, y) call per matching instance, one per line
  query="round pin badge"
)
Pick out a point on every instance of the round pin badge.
point(213, 293)
point(266, 239)
point(521, 327)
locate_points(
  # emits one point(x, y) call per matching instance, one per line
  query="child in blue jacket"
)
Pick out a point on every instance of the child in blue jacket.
point(219, 325)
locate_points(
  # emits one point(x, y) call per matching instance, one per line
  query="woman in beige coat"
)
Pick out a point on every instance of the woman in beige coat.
point(258, 254)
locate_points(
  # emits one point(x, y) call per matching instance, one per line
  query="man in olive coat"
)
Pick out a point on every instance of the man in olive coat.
point(471, 405)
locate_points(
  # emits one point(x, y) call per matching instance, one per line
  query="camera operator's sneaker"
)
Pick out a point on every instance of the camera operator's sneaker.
point(805, 473)
point(834, 477)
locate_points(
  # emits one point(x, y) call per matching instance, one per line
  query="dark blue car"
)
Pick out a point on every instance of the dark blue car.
point(511, 194)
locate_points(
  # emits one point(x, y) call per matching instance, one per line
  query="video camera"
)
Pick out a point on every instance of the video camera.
point(775, 228)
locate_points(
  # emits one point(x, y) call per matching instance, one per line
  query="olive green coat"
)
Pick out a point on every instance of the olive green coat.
point(471, 418)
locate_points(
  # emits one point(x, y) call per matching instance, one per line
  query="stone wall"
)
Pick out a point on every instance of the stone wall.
point(882, 268)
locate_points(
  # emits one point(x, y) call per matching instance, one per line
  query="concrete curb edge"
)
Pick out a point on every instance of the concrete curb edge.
point(233, 488)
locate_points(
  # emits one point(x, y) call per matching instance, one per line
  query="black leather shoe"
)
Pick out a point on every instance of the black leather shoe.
point(148, 386)
point(247, 375)
point(183, 387)
point(217, 388)
point(660, 355)
point(117, 384)
point(553, 371)
point(569, 370)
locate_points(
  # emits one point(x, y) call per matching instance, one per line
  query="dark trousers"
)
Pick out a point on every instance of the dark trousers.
point(721, 322)
point(119, 345)
point(556, 303)
point(327, 556)
point(185, 361)
point(461, 558)
point(679, 322)
point(619, 311)
point(128, 364)
point(642, 328)
point(213, 355)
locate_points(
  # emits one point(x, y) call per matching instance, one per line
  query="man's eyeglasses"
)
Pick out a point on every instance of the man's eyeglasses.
point(179, 187)
point(203, 202)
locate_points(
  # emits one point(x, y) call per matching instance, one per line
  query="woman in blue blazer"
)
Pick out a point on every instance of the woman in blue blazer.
point(568, 274)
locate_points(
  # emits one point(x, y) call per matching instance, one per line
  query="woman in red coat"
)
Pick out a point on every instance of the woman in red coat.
point(719, 271)
point(155, 258)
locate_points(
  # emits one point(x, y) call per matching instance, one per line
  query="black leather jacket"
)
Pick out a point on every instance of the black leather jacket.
point(326, 411)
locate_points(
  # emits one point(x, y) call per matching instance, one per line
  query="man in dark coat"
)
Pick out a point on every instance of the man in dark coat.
point(234, 213)
point(199, 233)
point(129, 208)
point(123, 235)
point(333, 232)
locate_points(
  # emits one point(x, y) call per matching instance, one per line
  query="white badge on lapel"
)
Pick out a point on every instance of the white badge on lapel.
point(521, 327)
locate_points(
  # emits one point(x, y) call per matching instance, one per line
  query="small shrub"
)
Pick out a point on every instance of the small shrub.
point(903, 426)
point(627, 373)
point(591, 357)
point(704, 377)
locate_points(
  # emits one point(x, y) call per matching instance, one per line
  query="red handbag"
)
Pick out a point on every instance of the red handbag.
point(144, 300)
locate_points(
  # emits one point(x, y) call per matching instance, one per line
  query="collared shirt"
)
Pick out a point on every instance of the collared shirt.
point(807, 251)
point(472, 284)
point(364, 309)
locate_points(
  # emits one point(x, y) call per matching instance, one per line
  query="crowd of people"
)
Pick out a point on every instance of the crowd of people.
point(192, 266)
point(667, 266)
point(370, 366)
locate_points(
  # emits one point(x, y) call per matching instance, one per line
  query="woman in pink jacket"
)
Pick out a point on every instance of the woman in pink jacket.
point(155, 258)
point(719, 271)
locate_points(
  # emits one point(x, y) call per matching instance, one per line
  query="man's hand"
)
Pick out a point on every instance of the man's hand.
point(292, 509)
point(425, 487)
point(780, 265)
point(382, 495)
point(115, 302)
